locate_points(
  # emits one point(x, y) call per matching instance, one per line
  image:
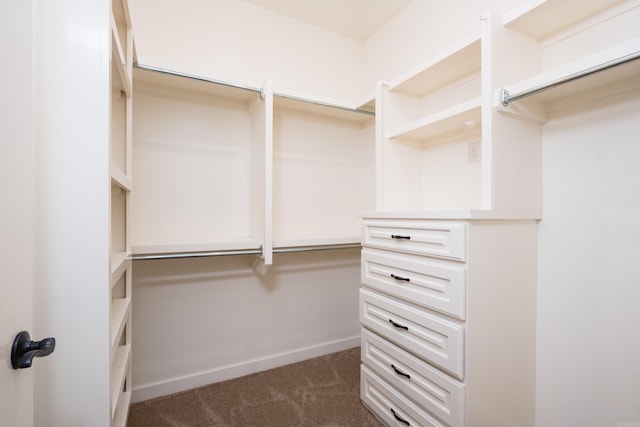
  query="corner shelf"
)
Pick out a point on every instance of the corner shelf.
point(542, 18)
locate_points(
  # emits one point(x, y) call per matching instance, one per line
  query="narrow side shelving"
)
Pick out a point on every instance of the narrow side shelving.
point(120, 228)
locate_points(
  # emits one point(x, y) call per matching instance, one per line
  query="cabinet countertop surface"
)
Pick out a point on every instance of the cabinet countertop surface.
point(498, 214)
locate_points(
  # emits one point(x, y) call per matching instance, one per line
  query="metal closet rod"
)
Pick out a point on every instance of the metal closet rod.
point(198, 78)
point(252, 89)
point(204, 254)
point(507, 98)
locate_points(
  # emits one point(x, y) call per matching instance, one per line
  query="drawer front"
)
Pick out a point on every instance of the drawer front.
point(438, 239)
point(390, 405)
point(435, 391)
point(435, 285)
point(427, 335)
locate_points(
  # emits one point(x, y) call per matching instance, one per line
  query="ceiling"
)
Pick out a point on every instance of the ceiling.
point(357, 19)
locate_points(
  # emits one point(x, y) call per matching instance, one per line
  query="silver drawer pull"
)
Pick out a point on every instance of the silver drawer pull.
point(399, 372)
point(399, 237)
point(404, 279)
point(399, 418)
point(398, 325)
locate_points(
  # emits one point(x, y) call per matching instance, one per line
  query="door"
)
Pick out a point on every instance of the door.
point(54, 210)
point(17, 209)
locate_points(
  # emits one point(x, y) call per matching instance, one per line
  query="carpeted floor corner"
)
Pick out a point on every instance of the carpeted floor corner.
point(320, 392)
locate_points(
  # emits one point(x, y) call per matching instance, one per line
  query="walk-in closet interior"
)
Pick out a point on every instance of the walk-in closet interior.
point(451, 186)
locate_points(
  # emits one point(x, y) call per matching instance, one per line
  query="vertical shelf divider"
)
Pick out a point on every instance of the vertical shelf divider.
point(262, 176)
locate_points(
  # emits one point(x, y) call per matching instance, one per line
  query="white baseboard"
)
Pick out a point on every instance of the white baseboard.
point(173, 385)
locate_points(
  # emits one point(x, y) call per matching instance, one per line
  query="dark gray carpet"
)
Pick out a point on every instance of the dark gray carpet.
point(324, 391)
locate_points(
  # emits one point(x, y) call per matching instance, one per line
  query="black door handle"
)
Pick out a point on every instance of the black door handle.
point(24, 350)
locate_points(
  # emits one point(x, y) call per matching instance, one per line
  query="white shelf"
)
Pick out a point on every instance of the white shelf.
point(506, 214)
point(122, 410)
point(119, 369)
point(451, 65)
point(456, 120)
point(119, 178)
point(122, 53)
point(319, 242)
point(368, 104)
point(239, 244)
point(320, 108)
point(120, 310)
point(145, 75)
point(119, 61)
point(119, 263)
point(542, 18)
point(585, 84)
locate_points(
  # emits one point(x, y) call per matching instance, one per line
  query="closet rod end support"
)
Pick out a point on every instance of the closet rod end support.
point(504, 97)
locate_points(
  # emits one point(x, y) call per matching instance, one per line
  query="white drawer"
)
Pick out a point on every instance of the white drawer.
point(427, 335)
point(436, 285)
point(439, 239)
point(390, 405)
point(435, 391)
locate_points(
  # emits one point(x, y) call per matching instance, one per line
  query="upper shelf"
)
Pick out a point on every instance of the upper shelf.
point(542, 18)
point(239, 244)
point(192, 83)
point(459, 61)
point(147, 74)
point(461, 118)
point(324, 109)
point(616, 64)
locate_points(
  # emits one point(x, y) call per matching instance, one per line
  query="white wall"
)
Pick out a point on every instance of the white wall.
point(422, 29)
point(588, 289)
point(239, 42)
point(206, 320)
point(236, 41)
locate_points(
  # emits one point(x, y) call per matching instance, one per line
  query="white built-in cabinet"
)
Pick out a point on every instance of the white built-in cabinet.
point(120, 226)
point(222, 168)
point(448, 314)
point(448, 297)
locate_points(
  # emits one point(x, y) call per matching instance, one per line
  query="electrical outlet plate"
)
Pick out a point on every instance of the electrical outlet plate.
point(473, 152)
